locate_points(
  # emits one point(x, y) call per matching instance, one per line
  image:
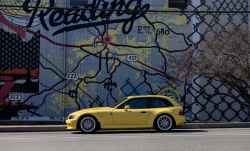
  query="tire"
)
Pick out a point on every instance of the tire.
point(163, 123)
point(87, 124)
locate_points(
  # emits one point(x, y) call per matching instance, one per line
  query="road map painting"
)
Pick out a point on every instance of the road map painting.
point(56, 61)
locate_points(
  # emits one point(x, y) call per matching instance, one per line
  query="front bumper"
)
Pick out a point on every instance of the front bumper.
point(71, 123)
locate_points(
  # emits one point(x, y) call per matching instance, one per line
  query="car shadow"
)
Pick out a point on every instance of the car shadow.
point(152, 131)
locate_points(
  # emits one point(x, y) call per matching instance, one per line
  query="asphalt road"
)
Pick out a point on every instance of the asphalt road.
point(132, 140)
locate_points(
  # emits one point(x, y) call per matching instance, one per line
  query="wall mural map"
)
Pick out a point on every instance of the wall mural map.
point(54, 62)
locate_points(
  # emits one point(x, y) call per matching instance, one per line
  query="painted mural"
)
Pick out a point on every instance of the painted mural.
point(56, 61)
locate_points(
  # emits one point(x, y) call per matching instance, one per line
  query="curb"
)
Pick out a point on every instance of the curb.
point(215, 125)
point(50, 128)
point(35, 128)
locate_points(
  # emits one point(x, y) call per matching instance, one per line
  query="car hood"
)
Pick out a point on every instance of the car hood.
point(92, 110)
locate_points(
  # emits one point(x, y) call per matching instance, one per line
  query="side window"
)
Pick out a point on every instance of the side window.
point(78, 2)
point(139, 103)
point(123, 105)
point(158, 102)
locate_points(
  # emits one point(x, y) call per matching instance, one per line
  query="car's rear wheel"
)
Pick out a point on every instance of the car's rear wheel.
point(87, 124)
point(163, 123)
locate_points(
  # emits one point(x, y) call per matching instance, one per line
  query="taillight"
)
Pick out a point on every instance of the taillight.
point(181, 112)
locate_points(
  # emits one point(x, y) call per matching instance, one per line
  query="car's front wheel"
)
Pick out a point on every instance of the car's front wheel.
point(87, 124)
point(163, 123)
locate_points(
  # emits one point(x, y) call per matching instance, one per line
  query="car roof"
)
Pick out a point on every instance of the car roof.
point(145, 96)
point(154, 96)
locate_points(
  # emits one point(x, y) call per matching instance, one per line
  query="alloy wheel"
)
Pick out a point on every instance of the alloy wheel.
point(164, 123)
point(88, 124)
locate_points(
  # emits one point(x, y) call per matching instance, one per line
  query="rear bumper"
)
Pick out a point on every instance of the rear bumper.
point(179, 120)
point(71, 124)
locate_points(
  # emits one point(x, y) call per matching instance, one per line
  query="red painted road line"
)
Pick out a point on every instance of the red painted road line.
point(90, 54)
point(112, 44)
point(156, 70)
point(96, 53)
point(17, 29)
point(88, 45)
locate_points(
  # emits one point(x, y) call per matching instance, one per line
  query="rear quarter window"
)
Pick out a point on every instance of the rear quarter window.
point(159, 103)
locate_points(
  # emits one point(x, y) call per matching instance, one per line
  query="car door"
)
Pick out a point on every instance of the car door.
point(137, 114)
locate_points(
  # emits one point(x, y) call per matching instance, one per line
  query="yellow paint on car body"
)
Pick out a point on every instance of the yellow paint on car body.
point(115, 118)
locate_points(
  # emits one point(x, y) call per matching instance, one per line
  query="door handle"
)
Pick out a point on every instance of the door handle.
point(143, 112)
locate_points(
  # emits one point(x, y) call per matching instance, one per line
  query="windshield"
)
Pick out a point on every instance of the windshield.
point(114, 105)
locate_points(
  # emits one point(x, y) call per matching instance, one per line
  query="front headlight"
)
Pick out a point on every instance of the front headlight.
point(73, 116)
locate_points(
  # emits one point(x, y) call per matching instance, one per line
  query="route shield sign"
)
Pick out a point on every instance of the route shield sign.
point(171, 93)
point(110, 86)
point(72, 93)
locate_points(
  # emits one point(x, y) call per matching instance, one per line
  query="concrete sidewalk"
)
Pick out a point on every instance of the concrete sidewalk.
point(48, 128)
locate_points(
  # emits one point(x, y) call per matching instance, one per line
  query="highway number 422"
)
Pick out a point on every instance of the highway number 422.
point(132, 58)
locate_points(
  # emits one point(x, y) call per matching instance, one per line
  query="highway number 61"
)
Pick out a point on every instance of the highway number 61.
point(132, 58)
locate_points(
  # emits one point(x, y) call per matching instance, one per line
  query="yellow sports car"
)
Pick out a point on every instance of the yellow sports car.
point(135, 112)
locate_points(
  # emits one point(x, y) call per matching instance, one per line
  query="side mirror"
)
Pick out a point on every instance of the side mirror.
point(126, 107)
